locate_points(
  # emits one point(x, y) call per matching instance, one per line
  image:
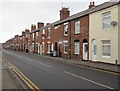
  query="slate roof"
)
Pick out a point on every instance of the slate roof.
point(80, 14)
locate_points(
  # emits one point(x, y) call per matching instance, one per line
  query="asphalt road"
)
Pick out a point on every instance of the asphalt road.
point(51, 74)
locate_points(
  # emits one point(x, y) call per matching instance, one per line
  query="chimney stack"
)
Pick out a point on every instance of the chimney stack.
point(92, 4)
point(16, 36)
point(64, 13)
point(47, 23)
point(26, 30)
point(40, 24)
point(33, 27)
point(23, 32)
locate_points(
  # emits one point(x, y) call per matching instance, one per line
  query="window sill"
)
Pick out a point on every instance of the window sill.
point(65, 52)
point(65, 34)
point(106, 56)
point(77, 53)
point(77, 33)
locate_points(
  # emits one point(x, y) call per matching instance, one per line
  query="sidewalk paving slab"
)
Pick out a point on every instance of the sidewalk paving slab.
point(98, 65)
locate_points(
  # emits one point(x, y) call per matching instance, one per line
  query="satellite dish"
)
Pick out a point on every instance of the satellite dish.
point(113, 23)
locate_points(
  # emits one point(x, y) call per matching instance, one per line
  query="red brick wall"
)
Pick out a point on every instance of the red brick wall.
point(84, 31)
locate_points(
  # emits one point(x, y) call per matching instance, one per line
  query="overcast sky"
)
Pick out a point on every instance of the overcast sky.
point(16, 16)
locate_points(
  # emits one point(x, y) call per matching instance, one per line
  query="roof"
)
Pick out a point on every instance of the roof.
point(80, 14)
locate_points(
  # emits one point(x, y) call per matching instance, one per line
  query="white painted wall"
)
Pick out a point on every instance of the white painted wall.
point(97, 32)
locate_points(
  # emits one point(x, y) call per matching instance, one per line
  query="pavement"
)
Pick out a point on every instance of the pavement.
point(7, 78)
point(98, 65)
point(47, 73)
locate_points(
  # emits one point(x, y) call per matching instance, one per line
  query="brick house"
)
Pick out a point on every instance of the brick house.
point(68, 37)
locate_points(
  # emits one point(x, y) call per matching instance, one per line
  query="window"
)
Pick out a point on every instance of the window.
point(52, 46)
point(106, 20)
point(48, 48)
point(77, 27)
point(48, 33)
point(43, 34)
point(36, 35)
point(77, 48)
point(33, 36)
point(65, 47)
point(105, 47)
point(65, 29)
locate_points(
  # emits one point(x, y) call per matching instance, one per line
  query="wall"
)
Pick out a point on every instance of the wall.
point(84, 34)
point(96, 32)
point(119, 34)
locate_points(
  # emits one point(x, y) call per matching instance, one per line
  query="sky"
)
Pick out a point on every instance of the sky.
point(18, 15)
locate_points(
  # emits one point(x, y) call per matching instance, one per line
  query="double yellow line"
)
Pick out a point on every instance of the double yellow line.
point(29, 83)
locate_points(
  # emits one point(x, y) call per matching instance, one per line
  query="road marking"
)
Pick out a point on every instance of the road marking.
point(88, 80)
point(25, 79)
point(44, 65)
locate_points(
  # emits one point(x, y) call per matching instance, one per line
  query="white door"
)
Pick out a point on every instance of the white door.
point(94, 50)
point(85, 51)
point(40, 49)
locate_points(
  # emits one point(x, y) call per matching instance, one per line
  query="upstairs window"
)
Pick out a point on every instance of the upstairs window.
point(43, 34)
point(33, 37)
point(106, 20)
point(65, 29)
point(48, 33)
point(36, 35)
point(77, 27)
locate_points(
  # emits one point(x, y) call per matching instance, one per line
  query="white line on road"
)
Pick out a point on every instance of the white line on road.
point(44, 65)
point(88, 80)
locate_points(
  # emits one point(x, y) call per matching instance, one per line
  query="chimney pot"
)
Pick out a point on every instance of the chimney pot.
point(92, 4)
point(40, 24)
point(64, 13)
point(33, 27)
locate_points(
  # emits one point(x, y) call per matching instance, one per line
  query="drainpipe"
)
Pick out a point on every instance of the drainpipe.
point(116, 62)
point(70, 41)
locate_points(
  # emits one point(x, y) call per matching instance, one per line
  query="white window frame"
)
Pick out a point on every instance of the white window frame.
point(52, 47)
point(77, 27)
point(76, 45)
point(33, 36)
point(48, 47)
point(106, 56)
point(65, 46)
point(105, 17)
point(36, 35)
point(43, 32)
point(49, 33)
point(65, 28)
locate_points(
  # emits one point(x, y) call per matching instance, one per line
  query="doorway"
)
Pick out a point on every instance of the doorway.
point(85, 49)
point(94, 50)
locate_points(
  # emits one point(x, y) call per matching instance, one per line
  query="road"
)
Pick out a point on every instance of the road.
point(51, 74)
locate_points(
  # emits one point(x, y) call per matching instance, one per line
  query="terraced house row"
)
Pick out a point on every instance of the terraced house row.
point(92, 34)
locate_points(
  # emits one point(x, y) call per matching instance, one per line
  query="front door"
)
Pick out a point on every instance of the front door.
point(94, 50)
point(40, 49)
point(60, 49)
point(85, 51)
